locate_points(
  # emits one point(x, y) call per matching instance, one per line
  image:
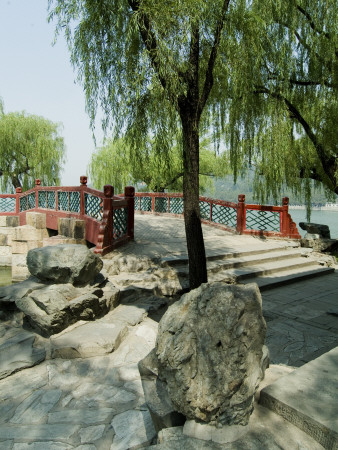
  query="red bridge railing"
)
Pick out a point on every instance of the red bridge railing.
point(109, 219)
point(259, 220)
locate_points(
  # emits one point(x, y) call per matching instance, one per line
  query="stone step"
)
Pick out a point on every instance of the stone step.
point(181, 260)
point(308, 398)
point(288, 277)
point(252, 259)
point(266, 268)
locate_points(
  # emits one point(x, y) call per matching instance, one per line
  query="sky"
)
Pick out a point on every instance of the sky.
point(38, 78)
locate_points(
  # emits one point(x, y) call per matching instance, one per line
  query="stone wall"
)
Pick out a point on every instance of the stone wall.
point(16, 240)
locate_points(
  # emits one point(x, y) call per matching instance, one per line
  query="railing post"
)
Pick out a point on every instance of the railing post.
point(17, 199)
point(83, 183)
point(153, 204)
point(129, 193)
point(285, 223)
point(37, 184)
point(241, 215)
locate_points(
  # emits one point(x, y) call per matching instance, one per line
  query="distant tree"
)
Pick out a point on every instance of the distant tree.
point(30, 147)
point(197, 64)
point(117, 164)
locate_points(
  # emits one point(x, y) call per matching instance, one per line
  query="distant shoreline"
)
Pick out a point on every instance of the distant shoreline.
point(316, 208)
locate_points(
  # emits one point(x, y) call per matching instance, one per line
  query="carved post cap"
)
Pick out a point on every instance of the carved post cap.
point(129, 191)
point(83, 180)
point(108, 190)
point(37, 182)
point(241, 198)
point(285, 201)
point(18, 190)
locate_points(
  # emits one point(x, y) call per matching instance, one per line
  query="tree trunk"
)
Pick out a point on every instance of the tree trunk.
point(193, 228)
point(15, 181)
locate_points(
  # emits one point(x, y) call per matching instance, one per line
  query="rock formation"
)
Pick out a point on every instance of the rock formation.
point(318, 237)
point(210, 352)
point(59, 293)
point(64, 263)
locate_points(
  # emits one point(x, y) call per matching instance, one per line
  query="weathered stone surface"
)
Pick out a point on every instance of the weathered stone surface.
point(91, 339)
point(316, 228)
point(3, 239)
point(320, 244)
point(71, 227)
point(8, 294)
point(133, 429)
point(17, 350)
point(161, 409)
point(64, 264)
point(12, 221)
point(209, 348)
point(53, 308)
point(36, 220)
point(29, 233)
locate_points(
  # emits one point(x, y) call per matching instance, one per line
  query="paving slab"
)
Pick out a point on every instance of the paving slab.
point(308, 398)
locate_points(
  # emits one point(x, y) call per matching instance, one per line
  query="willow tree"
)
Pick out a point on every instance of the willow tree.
point(195, 64)
point(116, 163)
point(287, 127)
point(30, 148)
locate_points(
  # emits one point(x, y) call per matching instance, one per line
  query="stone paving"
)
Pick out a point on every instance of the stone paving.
point(97, 402)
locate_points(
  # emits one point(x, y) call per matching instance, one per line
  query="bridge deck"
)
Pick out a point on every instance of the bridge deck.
point(164, 236)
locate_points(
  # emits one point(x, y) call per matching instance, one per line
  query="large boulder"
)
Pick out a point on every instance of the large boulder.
point(64, 263)
point(210, 350)
point(50, 309)
point(316, 228)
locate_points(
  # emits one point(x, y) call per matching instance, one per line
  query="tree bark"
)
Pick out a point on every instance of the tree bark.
point(15, 181)
point(193, 228)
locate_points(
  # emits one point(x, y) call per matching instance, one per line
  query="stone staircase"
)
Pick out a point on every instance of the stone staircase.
point(269, 268)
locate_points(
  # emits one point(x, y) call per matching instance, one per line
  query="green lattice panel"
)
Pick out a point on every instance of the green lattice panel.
point(176, 205)
point(63, 201)
point(161, 204)
point(27, 202)
point(46, 199)
point(224, 215)
point(74, 201)
point(145, 203)
point(120, 220)
point(42, 199)
point(7, 204)
point(205, 210)
point(51, 199)
point(262, 220)
point(93, 206)
point(137, 204)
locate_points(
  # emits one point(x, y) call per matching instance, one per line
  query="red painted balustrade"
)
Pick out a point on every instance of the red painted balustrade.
point(242, 218)
point(109, 219)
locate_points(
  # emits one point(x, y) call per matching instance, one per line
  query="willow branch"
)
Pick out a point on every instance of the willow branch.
point(209, 79)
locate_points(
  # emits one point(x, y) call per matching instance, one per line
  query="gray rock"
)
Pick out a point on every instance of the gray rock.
point(64, 263)
point(46, 432)
point(92, 433)
point(17, 350)
point(9, 294)
point(156, 395)
point(88, 340)
point(53, 308)
point(319, 245)
point(35, 407)
point(316, 228)
point(133, 429)
point(210, 352)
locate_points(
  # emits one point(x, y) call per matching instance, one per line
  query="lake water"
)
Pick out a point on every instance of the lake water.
point(329, 218)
